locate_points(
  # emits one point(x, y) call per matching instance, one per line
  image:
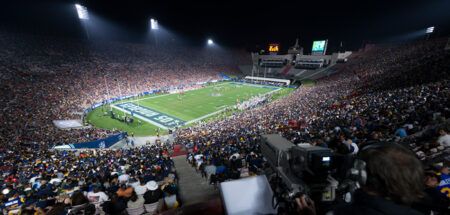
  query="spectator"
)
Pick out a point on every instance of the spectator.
point(135, 201)
point(386, 165)
point(141, 187)
point(97, 197)
point(444, 138)
point(116, 206)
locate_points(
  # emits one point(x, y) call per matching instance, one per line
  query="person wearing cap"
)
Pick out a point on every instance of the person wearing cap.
point(153, 193)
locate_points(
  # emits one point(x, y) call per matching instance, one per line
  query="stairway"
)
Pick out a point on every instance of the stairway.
point(286, 69)
point(193, 188)
point(179, 150)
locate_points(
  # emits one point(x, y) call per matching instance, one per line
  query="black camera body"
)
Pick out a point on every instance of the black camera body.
point(299, 169)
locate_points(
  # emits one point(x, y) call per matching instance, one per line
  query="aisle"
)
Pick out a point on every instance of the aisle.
point(193, 188)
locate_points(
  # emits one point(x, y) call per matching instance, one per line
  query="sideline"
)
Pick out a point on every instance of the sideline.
point(194, 120)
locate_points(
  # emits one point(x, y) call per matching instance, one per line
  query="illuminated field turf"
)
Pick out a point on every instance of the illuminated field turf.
point(171, 110)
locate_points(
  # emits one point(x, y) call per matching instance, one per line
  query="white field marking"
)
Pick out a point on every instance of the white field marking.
point(168, 94)
point(221, 110)
point(153, 97)
point(204, 116)
point(257, 85)
point(140, 117)
point(188, 122)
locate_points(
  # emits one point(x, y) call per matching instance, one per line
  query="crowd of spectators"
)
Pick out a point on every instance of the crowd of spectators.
point(105, 181)
point(45, 79)
point(394, 93)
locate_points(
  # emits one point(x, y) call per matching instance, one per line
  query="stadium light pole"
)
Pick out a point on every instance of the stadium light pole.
point(154, 27)
point(106, 85)
point(107, 91)
point(83, 15)
point(118, 86)
point(429, 31)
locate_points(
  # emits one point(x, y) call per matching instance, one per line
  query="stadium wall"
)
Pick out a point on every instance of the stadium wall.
point(97, 144)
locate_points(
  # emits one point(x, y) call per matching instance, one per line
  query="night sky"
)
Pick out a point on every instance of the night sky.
point(238, 24)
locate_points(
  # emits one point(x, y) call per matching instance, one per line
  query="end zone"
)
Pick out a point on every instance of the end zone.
point(154, 117)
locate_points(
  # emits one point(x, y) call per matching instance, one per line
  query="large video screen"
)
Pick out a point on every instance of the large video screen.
point(319, 47)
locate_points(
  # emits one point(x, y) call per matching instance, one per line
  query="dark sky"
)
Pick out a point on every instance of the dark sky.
point(242, 24)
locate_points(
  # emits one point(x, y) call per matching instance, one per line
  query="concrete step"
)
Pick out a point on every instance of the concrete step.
point(193, 188)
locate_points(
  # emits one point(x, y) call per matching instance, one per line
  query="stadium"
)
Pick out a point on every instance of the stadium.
point(224, 108)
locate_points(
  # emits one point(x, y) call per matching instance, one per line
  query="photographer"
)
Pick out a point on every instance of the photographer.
point(394, 181)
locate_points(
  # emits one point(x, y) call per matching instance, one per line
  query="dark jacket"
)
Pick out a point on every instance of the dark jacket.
point(365, 204)
point(152, 196)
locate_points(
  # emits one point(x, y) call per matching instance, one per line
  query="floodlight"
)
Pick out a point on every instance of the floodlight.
point(210, 42)
point(430, 30)
point(154, 24)
point(82, 12)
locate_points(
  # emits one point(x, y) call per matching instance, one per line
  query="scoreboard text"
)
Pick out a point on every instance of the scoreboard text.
point(273, 48)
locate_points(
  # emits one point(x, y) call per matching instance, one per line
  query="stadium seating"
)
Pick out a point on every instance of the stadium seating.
point(395, 92)
point(366, 100)
point(67, 76)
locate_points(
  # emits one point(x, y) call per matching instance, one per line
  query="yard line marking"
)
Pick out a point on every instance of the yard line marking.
point(205, 116)
point(168, 94)
point(160, 119)
point(140, 117)
point(222, 110)
point(274, 89)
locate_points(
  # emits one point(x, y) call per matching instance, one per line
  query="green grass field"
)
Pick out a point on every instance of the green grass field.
point(201, 104)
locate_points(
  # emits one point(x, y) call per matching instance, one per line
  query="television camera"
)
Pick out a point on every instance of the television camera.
point(298, 170)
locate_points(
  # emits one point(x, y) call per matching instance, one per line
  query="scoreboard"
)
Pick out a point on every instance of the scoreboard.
point(319, 47)
point(274, 48)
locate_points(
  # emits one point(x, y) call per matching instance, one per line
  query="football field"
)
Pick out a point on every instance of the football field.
point(166, 111)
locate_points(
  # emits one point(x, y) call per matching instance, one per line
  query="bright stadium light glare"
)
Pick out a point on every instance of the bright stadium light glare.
point(430, 30)
point(210, 42)
point(82, 12)
point(154, 24)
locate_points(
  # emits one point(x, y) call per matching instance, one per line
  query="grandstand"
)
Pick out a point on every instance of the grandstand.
point(93, 126)
point(294, 65)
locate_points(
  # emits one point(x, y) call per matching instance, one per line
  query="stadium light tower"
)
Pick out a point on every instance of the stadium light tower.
point(429, 31)
point(82, 12)
point(154, 24)
point(210, 42)
point(83, 15)
point(154, 27)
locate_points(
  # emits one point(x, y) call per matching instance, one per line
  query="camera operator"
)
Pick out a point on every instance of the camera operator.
point(391, 182)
